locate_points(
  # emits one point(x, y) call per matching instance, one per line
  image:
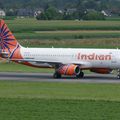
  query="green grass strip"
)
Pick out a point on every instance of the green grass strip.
point(47, 109)
point(47, 90)
point(59, 101)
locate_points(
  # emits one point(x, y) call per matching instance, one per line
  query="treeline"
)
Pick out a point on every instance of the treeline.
point(61, 4)
point(51, 13)
point(36, 3)
point(63, 9)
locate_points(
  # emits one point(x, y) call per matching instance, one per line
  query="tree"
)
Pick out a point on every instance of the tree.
point(68, 17)
point(11, 12)
point(1, 5)
point(80, 10)
point(90, 4)
point(94, 15)
point(41, 16)
point(52, 13)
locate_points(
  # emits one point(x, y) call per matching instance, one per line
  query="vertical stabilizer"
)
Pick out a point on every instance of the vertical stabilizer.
point(7, 40)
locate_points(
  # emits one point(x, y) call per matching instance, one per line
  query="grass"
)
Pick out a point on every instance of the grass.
point(6, 67)
point(59, 101)
point(113, 18)
point(40, 109)
point(58, 35)
point(28, 32)
point(18, 25)
point(71, 43)
point(65, 91)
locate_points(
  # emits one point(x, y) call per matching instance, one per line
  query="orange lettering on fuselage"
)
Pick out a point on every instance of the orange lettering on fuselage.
point(93, 56)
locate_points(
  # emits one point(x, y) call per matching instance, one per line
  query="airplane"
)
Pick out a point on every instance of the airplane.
point(65, 61)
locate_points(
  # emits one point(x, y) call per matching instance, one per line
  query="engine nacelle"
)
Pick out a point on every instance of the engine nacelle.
point(69, 70)
point(101, 70)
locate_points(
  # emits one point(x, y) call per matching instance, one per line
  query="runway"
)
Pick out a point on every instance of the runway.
point(47, 77)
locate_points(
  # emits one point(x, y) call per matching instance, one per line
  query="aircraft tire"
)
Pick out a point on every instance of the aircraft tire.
point(56, 75)
point(118, 77)
point(81, 75)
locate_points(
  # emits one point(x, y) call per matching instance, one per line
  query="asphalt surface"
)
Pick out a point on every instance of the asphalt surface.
point(46, 77)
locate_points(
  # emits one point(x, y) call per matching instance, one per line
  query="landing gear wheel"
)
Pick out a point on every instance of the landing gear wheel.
point(56, 75)
point(81, 75)
point(118, 76)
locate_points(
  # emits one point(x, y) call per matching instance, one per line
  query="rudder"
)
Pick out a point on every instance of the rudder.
point(7, 40)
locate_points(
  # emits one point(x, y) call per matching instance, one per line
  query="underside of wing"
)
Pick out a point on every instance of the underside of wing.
point(82, 64)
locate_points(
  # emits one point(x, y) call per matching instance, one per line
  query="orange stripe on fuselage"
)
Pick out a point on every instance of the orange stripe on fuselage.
point(17, 54)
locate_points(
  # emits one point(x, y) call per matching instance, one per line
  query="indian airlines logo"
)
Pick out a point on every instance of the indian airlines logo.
point(93, 56)
point(7, 40)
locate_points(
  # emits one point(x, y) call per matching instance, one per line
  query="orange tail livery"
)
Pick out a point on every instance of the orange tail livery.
point(8, 43)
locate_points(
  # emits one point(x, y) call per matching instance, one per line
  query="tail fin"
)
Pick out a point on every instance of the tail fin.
point(7, 40)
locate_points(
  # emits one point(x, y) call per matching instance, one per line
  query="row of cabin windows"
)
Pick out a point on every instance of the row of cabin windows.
point(28, 55)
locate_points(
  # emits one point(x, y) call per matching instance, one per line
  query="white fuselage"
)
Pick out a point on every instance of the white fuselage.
point(87, 58)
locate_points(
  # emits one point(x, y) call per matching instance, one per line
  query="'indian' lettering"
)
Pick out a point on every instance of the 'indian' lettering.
point(93, 56)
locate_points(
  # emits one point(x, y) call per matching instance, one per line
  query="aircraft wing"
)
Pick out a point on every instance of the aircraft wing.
point(80, 63)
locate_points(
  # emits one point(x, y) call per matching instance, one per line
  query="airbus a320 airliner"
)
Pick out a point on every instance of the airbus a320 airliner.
point(66, 61)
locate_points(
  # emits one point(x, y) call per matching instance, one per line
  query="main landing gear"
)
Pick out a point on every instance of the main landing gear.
point(80, 75)
point(118, 75)
point(57, 75)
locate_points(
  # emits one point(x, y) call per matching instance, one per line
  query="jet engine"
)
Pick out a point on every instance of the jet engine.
point(69, 69)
